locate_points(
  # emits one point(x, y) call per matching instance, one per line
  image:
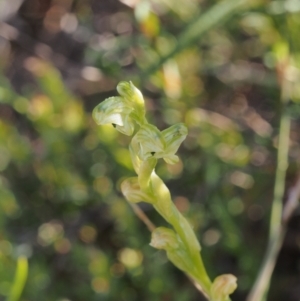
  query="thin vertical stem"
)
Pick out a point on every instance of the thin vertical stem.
point(277, 229)
point(142, 216)
point(282, 164)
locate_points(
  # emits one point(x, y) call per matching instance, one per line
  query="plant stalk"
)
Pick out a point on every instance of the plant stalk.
point(277, 227)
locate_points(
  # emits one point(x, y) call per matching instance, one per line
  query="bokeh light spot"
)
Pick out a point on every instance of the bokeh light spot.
point(182, 203)
point(97, 170)
point(130, 258)
point(175, 169)
point(241, 179)
point(49, 232)
point(87, 234)
point(100, 285)
point(211, 237)
point(156, 285)
point(235, 206)
point(62, 246)
point(68, 23)
point(5, 247)
point(117, 270)
point(102, 185)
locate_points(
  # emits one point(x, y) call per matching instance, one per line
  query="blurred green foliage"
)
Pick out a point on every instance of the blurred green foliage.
point(60, 203)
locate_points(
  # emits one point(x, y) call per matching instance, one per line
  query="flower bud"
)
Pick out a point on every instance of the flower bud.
point(222, 287)
point(130, 93)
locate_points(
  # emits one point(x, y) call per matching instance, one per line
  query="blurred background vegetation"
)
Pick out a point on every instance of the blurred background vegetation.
point(211, 64)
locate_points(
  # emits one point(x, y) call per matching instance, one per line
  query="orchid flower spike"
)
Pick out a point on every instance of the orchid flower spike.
point(124, 111)
point(153, 143)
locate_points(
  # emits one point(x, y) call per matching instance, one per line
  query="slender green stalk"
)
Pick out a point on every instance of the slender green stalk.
point(282, 164)
point(20, 279)
point(277, 228)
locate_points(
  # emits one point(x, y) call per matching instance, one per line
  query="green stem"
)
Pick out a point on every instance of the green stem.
point(260, 289)
point(282, 164)
point(187, 235)
point(189, 239)
point(202, 278)
point(19, 280)
point(277, 229)
point(166, 208)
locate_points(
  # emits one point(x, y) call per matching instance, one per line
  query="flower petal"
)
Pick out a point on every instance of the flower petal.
point(109, 111)
point(171, 159)
point(134, 99)
point(114, 110)
point(128, 126)
point(131, 94)
point(132, 192)
point(151, 142)
point(164, 238)
point(174, 135)
point(167, 239)
point(223, 286)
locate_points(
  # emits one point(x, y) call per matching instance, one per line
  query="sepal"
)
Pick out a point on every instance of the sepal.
point(132, 191)
point(166, 239)
point(150, 142)
point(145, 171)
point(222, 287)
point(115, 111)
point(174, 135)
point(134, 98)
point(130, 93)
point(125, 111)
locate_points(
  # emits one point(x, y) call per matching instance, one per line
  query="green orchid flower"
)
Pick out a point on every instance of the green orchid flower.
point(177, 252)
point(222, 287)
point(166, 239)
point(116, 112)
point(150, 142)
point(133, 193)
point(122, 112)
